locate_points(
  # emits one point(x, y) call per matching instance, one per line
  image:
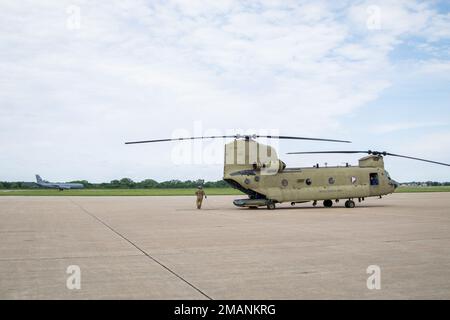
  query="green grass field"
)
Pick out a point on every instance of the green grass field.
point(118, 192)
point(165, 192)
point(423, 189)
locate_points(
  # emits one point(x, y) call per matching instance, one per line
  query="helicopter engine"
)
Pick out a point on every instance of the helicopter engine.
point(372, 161)
point(271, 167)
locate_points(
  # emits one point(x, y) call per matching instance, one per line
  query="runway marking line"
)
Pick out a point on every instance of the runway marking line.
point(140, 249)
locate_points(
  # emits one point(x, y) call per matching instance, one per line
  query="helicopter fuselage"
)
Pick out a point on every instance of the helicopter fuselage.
point(313, 184)
point(278, 184)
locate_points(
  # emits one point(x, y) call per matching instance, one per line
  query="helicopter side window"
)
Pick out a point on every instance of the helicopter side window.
point(374, 181)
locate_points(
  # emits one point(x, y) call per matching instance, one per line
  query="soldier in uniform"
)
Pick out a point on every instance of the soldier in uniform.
point(200, 193)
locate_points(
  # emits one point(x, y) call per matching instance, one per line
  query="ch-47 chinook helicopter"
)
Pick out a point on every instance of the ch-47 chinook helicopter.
point(255, 169)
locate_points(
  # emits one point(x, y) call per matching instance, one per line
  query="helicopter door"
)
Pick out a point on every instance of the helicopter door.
point(374, 180)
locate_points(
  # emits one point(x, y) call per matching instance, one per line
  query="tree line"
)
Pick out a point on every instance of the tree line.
point(127, 183)
point(428, 183)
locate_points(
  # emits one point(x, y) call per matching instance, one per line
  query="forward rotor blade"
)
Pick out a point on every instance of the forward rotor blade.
point(319, 152)
point(384, 153)
point(418, 159)
point(247, 137)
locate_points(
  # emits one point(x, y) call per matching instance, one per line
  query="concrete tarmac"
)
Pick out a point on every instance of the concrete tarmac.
point(164, 248)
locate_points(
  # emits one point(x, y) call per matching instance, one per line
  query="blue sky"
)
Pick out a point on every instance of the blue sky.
point(78, 78)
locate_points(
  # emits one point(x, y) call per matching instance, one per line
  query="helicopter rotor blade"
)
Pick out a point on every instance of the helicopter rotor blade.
point(301, 138)
point(320, 152)
point(384, 153)
point(238, 136)
point(180, 139)
point(418, 159)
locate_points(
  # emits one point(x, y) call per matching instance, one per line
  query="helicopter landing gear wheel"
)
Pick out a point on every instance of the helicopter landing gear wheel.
point(271, 206)
point(328, 203)
point(293, 204)
point(314, 203)
point(349, 204)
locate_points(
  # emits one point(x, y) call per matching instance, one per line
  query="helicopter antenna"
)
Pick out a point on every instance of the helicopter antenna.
point(375, 153)
point(238, 136)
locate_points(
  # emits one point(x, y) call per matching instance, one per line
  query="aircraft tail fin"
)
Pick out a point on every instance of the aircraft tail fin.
point(38, 179)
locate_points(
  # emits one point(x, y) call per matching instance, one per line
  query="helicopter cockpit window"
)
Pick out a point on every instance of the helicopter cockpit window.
point(374, 179)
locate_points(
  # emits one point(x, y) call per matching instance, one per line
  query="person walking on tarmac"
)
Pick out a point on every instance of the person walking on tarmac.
point(200, 193)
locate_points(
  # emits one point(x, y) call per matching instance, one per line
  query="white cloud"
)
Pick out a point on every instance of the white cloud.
point(140, 69)
point(392, 127)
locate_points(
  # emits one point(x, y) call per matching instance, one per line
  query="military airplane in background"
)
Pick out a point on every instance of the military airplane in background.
point(57, 185)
